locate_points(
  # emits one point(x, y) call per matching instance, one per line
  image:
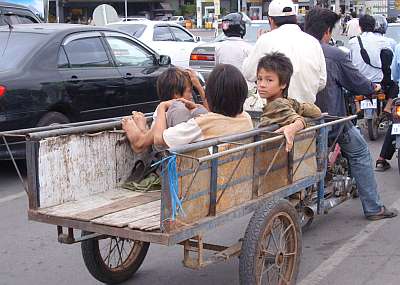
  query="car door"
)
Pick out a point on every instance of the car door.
point(93, 84)
point(164, 43)
point(185, 43)
point(139, 70)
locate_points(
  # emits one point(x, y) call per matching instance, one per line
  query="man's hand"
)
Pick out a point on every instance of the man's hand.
point(377, 87)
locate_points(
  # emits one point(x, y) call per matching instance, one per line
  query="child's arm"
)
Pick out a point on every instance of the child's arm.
point(161, 123)
point(305, 109)
point(196, 84)
point(289, 131)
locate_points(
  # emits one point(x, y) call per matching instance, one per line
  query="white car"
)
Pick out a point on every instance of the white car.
point(164, 37)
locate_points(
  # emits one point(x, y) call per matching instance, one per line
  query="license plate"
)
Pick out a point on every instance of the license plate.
point(366, 104)
point(396, 129)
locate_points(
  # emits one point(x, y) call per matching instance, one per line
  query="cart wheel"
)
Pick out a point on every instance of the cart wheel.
point(372, 129)
point(113, 260)
point(271, 247)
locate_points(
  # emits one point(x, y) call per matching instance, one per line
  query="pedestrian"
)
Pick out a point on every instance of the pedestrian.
point(342, 74)
point(304, 51)
point(353, 27)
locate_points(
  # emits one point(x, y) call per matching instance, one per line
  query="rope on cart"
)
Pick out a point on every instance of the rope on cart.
point(176, 203)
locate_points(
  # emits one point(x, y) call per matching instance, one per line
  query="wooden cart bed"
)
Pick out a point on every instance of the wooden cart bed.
point(117, 207)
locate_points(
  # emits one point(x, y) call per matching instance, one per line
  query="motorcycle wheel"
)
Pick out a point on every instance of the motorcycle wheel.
point(372, 129)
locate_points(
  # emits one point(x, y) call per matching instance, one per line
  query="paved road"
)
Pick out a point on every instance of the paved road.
point(340, 248)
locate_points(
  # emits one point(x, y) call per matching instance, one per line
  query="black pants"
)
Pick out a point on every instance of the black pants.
point(388, 149)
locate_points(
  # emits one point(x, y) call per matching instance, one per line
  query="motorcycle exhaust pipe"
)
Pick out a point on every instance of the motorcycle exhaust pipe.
point(330, 203)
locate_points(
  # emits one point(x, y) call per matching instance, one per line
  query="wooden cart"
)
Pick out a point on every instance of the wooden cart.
point(74, 182)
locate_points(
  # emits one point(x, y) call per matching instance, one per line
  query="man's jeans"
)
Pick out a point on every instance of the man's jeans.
point(355, 149)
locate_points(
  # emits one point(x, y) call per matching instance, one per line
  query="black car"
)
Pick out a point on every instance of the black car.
point(16, 14)
point(60, 73)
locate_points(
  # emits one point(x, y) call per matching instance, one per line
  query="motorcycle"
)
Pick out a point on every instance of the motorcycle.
point(371, 111)
point(396, 127)
point(339, 187)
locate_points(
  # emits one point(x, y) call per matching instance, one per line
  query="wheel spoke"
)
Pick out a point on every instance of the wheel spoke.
point(265, 272)
point(282, 277)
point(289, 254)
point(120, 255)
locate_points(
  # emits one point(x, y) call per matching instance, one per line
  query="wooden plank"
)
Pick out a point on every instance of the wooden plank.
point(123, 218)
point(117, 206)
point(69, 209)
point(64, 176)
point(149, 222)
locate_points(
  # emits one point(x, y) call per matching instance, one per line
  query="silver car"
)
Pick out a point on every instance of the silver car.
point(202, 58)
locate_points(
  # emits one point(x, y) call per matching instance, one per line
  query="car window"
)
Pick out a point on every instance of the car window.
point(162, 34)
point(11, 19)
point(132, 29)
point(87, 52)
point(62, 59)
point(127, 53)
point(18, 46)
point(26, 20)
point(181, 35)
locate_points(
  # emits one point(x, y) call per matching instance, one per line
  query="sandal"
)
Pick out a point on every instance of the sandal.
point(386, 214)
point(382, 165)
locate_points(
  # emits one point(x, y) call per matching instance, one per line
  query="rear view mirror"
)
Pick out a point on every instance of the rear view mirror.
point(198, 39)
point(164, 60)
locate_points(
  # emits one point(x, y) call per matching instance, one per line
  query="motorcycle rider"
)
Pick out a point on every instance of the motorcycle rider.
point(234, 49)
point(342, 74)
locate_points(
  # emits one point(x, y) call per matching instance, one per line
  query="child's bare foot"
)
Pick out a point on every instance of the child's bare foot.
point(140, 121)
point(133, 133)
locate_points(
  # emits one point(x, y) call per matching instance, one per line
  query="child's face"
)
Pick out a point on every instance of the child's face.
point(268, 85)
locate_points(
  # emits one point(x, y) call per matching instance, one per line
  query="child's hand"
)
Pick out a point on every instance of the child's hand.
point(289, 131)
point(193, 77)
point(166, 104)
point(188, 104)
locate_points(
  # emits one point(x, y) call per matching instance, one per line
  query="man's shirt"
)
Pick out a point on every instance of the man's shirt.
point(305, 53)
point(373, 44)
point(233, 51)
point(342, 74)
point(353, 28)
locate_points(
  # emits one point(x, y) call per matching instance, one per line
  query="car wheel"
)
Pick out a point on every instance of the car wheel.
point(52, 118)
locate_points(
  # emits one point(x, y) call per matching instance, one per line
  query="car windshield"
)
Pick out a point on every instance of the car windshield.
point(251, 32)
point(17, 46)
point(393, 32)
point(135, 30)
point(175, 18)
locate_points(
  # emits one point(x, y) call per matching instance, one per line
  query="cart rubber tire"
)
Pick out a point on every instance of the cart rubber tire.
point(101, 271)
point(52, 118)
point(372, 129)
point(256, 233)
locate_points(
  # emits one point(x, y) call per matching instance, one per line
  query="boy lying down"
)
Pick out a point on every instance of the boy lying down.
point(225, 94)
point(273, 77)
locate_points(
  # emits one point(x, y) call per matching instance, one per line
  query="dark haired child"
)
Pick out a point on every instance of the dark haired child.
point(273, 77)
point(225, 94)
point(174, 83)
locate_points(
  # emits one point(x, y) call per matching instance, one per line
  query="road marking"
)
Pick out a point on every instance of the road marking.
point(329, 265)
point(12, 197)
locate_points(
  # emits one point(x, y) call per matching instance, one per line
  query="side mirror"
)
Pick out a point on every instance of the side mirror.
point(164, 60)
point(198, 39)
point(339, 43)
